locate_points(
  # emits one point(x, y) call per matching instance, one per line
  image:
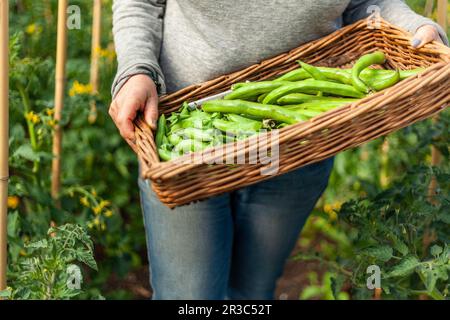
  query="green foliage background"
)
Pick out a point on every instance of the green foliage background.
point(100, 199)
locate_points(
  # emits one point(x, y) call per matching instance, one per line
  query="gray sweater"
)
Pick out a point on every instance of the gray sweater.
point(190, 41)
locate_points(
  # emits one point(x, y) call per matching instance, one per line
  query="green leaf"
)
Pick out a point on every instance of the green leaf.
point(337, 282)
point(25, 151)
point(431, 274)
point(401, 247)
point(383, 253)
point(13, 224)
point(5, 294)
point(430, 280)
point(444, 217)
point(436, 250)
point(404, 268)
point(87, 258)
point(41, 244)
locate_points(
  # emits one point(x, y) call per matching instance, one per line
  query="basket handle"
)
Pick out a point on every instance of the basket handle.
point(144, 145)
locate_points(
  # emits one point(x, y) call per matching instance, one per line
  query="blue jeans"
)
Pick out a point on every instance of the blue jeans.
point(233, 245)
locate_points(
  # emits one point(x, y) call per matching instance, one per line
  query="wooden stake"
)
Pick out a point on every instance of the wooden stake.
point(4, 130)
point(61, 55)
point(95, 47)
point(442, 6)
point(428, 8)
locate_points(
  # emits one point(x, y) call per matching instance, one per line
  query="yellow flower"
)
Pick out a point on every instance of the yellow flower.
point(31, 28)
point(103, 226)
point(13, 202)
point(333, 215)
point(94, 192)
point(50, 111)
point(51, 123)
point(97, 222)
point(330, 209)
point(84, 201)
point(108, 213)
point(32, 117)
point(23, 253)
point(104, 203)
point(97, 210)
point(90, 225)
point(337, 205)
point(79, 89)
point(108, 53)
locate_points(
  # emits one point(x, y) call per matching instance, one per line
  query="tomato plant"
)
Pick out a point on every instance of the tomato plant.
point(97, 225)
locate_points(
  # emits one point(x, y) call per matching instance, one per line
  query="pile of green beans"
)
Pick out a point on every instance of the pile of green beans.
point(296, 96)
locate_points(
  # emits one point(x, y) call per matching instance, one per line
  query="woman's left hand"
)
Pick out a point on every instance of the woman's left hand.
point(425, 34)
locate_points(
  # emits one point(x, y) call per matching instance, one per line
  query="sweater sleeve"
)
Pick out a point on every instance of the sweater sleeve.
point(137, 30)
point(395, 11)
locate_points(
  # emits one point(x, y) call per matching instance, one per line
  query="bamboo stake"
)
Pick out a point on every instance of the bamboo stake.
point(61, 55)
point(435, 154)
point(4, 131)
point(95, 47)
point(442, 13)
point(428, 8)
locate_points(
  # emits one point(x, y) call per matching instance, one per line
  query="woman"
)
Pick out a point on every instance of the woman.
point(233, 245)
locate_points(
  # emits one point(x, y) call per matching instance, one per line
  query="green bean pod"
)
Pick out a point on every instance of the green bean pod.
point(409, 73)
point(338, 76)
point(188, 145)
point(313, 71)
point(198, 134)
point(386, 83)
point(294, 75)
point(240, 119)
point(378, 74)
point(236, 128)
point(261, 97)
point(165, 155)
point(238, 85)
point(321, 106)
point(308, 114)
point(362, 63)
point(197, 119)
point(334, 74)
point(312, 87)
point(344, 75)
point(261, 111)
point(175, 127)
point(161, 130)
point(253, 89)
point(174, 139)
point(298, 98)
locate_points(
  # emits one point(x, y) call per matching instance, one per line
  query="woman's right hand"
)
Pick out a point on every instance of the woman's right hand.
point(137, 94)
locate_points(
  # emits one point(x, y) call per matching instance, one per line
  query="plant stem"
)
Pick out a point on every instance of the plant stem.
point(435, 293)
point(30, 125)
point(48, 294)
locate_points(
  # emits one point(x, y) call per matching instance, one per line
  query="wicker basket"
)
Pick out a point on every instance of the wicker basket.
point(411, 100)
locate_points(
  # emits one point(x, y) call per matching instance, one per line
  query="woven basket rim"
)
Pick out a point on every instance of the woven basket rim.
point(158, 169)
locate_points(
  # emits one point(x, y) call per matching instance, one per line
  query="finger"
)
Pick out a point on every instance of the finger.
point(423, 36)
point(151, 111)
point(113, 110)
point(126, 115)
